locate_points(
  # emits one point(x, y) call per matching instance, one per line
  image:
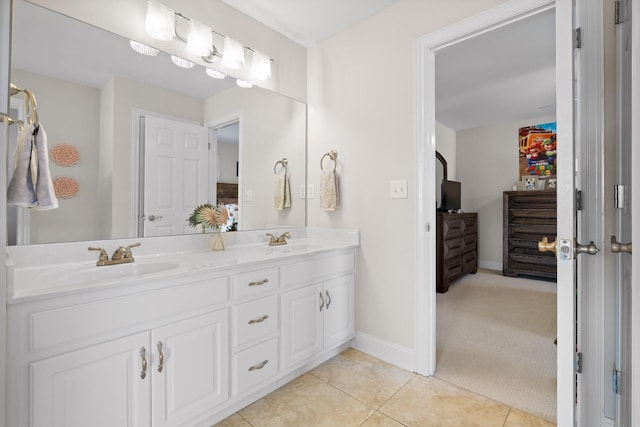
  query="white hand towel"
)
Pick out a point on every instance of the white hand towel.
point(329, 195)
point(45, 193)
point(282, 192)
point(21, 191)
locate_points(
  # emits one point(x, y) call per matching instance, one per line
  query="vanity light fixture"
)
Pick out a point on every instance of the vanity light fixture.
point(260, 66)
point(244, 84)
point(233, 54)
point(200, 39)
point(181, 62)
point(160, 22)
point(215, 73)
point(143, 48)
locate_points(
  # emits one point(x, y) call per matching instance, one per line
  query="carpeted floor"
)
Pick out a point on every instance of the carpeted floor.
point(495, 337)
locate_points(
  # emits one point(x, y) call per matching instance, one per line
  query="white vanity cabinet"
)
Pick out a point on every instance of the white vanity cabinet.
point(316, 315)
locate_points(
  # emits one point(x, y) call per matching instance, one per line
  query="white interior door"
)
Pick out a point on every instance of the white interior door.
point(624, 210)
point(176, 174)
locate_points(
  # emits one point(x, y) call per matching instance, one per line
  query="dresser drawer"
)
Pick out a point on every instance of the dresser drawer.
point(254, 365)
point(255, 282)
point(255, 319)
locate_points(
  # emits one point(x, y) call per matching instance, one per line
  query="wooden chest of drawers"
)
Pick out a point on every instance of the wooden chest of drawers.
point(528, 217)
point(456, 247)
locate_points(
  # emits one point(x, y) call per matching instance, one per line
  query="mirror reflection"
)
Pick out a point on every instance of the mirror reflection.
point(153, 140)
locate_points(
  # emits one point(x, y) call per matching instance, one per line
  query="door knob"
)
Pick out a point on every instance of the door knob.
point(154, 217)
point(617, 247)
point(546, 246)
point(590, 249)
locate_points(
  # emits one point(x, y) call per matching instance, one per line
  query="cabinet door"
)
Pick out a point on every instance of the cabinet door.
point(301, 324)
point(339, 323)
point(96, 386)
point(190, 367)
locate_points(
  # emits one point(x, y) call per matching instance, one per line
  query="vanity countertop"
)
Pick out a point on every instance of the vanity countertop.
point(44, 271)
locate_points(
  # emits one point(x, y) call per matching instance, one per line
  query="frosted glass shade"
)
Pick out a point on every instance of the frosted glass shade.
point(160, 22)
point(181, 62)
point(143, 48)
point(233, 55)
point(260, 66)
point(243, 84)
point(200, 39)
point(215, 73)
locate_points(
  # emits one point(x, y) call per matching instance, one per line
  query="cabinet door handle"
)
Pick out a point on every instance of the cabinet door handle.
point(258, 366)
point(321, 301)
point(161, 353)
point(260, 320)
point(328, 299)
point(259, 282)
point(143, 356)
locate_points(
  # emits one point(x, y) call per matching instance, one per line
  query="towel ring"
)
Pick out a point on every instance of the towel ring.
point(284, 162)
point(333, 155)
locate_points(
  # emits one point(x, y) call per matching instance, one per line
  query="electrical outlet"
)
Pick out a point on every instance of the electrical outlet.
point(398, 189)
point(248, 195)
point(311, 191)
point(303, 192)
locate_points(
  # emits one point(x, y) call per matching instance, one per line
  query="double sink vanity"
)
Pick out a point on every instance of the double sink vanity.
point(185, 336)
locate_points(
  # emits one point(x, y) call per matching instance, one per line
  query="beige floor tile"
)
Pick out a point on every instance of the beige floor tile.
point(306, 401)
point(380, 420)
point(234, 420)
point(521, 419)
point(366, 378)
point(428, 401)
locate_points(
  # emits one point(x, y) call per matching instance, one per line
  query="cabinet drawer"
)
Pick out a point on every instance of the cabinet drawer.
point(451, 249)
point(316, 269)
point(59, 326)
point(451, 268)
point(255, 319)
point(255, 282)
point(255, 365)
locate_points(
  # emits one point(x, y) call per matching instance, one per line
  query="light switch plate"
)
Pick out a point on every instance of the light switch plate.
point(311, 191)
point(248, 195)
point(398, 189)
point(303, 192)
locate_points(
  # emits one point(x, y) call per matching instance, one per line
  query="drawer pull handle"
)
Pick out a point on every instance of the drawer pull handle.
point(260, 320)
point(161, 362)
point(328, 299)
point(321, 301)
point(259, 282)
point(258, 366)
point(143, 356)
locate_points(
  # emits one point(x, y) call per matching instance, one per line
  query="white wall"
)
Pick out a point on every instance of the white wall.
point(487, 163)
point(361, 103)
point(126, 17)
point(74, 122)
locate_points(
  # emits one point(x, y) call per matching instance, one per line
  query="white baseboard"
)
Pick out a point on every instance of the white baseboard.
point(490, 265)
point(400, 356)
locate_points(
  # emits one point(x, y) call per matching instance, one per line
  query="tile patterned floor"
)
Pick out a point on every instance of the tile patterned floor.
point(354, 389)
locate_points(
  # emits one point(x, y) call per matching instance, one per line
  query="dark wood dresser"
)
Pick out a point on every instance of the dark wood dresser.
point(528, 217)
point(456, 247)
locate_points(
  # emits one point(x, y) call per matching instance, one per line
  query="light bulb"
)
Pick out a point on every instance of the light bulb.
point(200, 39)
point(260, 66)
point(143, 48)
point(160, 22)
point(215, 73)
point(244, 84)
point(233, 55)
point(181, 62)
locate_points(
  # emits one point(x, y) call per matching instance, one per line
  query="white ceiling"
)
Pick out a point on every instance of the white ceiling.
point(309, 21)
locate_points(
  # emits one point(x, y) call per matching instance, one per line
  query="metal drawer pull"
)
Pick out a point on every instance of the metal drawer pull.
point(321, 301)
point(161, 362)
point(328, 299)
point(143, 355)
point(260, 320)
point(258, 366)
point(259, 283)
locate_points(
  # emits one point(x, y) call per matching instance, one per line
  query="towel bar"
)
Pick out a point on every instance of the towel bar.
point(284, 162)
point(333, 155)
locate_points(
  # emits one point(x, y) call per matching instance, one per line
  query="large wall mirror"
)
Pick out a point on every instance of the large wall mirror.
point(119, 109)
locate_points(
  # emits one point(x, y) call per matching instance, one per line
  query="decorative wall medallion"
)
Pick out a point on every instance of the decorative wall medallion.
point(65, 187)
point(64, 155)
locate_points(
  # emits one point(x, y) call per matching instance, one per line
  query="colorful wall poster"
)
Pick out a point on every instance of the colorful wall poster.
point(537, 150)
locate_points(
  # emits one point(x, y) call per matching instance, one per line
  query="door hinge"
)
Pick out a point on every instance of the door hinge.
point(616, 381)
point(619, 13)
point(579, 363)
point(618, 196)
point(578, 37)
point(427, 227)
point(578, 200)
point(209, 146)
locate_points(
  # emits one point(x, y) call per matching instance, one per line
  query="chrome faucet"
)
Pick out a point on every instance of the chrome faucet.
point(122, 255)
point(277, 241)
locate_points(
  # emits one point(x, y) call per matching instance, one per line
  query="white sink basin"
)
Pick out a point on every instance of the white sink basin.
point(111, 272)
